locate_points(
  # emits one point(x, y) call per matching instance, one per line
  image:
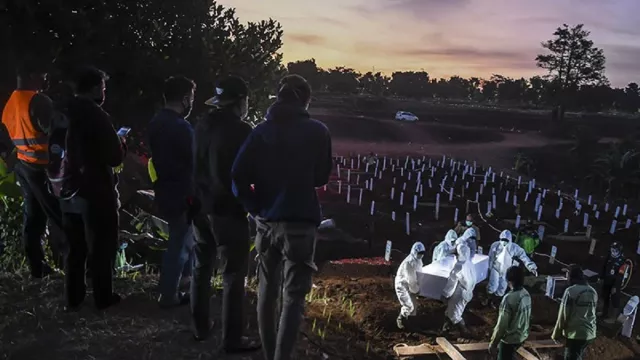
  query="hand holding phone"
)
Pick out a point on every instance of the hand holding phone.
point(124, 131)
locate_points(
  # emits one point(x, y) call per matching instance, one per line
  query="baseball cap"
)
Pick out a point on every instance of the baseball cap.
point(229, 90)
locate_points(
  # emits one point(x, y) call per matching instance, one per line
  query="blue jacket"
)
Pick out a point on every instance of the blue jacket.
point(172, 145)
point(285, 158)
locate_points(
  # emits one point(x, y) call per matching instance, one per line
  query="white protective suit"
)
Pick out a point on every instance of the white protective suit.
point(406, 282)
point(501, 258)
point(446, 247)
point(460, 285)
point(469, 238)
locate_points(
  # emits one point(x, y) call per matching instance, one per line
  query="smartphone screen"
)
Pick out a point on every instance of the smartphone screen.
point(124, 131)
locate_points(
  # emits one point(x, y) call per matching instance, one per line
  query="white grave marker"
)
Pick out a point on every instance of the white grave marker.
point(387, 251)
point(554, 252)
point(614, 224)
point(518, 221)
point(373, 207)
point(566, 226)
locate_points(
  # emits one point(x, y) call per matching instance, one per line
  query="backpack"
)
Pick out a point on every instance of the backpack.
point(62, 171)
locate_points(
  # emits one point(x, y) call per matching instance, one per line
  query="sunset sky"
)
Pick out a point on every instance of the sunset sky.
point(447, 37)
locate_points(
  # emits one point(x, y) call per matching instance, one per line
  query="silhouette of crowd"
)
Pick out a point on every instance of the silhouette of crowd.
point(212, 179)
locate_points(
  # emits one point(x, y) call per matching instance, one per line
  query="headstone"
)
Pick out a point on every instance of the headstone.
point(373, 207)
point(387, 251)
point(437, 206)
point(554, 252)
point(612, 229)
point(518, 222)
point(585, 220)
point(566, 226)
point(624, 210)
point(408, 225)
point(455, 216)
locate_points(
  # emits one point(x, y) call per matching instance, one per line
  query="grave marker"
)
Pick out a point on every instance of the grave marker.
point(554, 252)
point(360, 198)
point(408, 224)
point(566, 226)
point(373, 206)
point(518, 221)
point(437, 206)
point(614, 224)
point(455, 216)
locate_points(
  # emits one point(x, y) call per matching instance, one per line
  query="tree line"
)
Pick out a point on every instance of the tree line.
point(575, 80)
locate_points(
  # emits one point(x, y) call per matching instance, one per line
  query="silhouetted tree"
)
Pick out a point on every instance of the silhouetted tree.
point(342, 80)
point(572, 61)
point(140, 43)
point(374, 84)
point(410, 84)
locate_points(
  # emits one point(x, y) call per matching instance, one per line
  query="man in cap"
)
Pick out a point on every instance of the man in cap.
point(222, 224)
point(275, 176)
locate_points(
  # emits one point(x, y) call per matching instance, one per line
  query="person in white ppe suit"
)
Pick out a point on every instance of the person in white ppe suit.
point(446, 247)
point(406, 282)
point(469, 238)
point(459, 289)
point(501, 257)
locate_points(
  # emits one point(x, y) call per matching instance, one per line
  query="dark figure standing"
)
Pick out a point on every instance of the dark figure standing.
point(90, 217)
point(222, 224)
point(612, 277)
point(27, 118)
point(172, 145)
point(285, 158)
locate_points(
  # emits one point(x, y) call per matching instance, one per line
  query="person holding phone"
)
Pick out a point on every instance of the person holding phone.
point(90, 218)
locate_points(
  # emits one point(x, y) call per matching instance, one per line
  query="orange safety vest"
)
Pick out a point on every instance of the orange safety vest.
point(31, 144)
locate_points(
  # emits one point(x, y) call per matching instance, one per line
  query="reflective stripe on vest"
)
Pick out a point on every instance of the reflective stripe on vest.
point(31, 144)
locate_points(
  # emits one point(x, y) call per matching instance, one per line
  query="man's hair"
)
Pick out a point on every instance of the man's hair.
point(515, 275)
point(294, 88)
point(576, 274)
point(177, 87)
point(470, 216)
point(87, 78)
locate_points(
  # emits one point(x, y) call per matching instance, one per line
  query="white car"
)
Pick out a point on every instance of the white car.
point(405, 116)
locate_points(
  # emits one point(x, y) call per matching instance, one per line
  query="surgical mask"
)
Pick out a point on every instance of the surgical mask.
point(469, 223)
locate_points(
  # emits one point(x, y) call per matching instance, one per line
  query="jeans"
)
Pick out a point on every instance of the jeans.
point(92, 232)
point(229, 237)
point(507, 351)
point(285, 253)
point(39, 205)
point(175, 258)
point(574, 349)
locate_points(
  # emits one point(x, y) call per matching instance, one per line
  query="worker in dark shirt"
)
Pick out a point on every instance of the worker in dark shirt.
point(90, 218)
point(172, 145)
point(223, 222)
point(26, 119)
point(275, 177)
point(613, 273)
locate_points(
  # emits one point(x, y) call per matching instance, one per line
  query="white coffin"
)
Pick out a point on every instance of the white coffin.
point(433, 277)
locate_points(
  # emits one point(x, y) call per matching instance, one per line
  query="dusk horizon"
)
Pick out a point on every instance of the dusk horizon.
point(468, 38)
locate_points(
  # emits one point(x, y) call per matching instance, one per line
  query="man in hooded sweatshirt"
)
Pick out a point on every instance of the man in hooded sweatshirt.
point(577, 315)
point(222, 224)
point(406, 282)
point(275, 177)
point(502, 255)
point(446, 247)
point(459, 288)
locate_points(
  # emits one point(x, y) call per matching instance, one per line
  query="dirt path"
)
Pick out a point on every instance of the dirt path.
point(499, 154)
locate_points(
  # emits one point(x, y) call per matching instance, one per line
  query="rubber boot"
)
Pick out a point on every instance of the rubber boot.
point(464, 331)
point(400, 322)
point(446, 326)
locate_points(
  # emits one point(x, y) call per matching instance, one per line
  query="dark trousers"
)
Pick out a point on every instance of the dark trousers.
point(285, 253)
point(176, 260)
point(609, 298)
point(38, 207)
point(574, 349)
point(229, 237)
point(507, 351)
point(92, 231)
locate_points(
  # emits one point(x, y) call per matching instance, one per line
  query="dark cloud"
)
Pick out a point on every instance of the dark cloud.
point(431, 9)
point(307, 39)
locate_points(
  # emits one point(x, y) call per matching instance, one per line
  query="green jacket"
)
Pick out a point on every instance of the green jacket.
point(512, 326)
point(577, 314)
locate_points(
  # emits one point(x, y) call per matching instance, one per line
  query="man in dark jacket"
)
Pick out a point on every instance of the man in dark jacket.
point(612, 275)
point(90, 218)
point(275, 177)
point(222, 222)
point(172, 145)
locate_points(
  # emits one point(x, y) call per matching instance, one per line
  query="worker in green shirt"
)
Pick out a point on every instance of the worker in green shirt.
point(512, 327)
point(577, 315)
